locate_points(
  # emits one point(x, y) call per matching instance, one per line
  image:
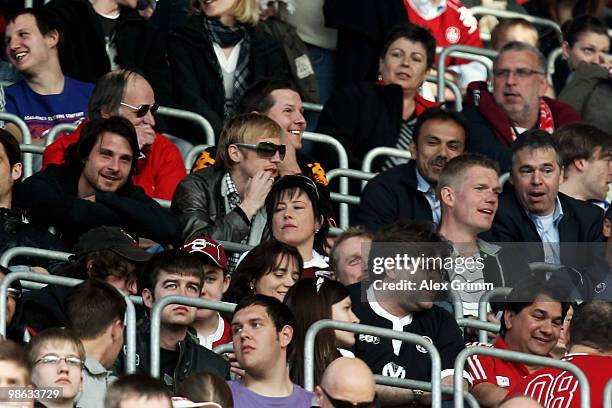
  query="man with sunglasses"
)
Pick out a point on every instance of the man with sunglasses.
point(516, 104)
point(225, 202)
point(126, 93)
point(347, 383)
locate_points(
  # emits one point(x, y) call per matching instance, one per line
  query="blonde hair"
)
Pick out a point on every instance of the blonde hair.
point(244, 128)
point(244, 11)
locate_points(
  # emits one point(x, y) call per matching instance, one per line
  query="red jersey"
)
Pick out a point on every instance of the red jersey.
point(555, 388)
point(450, 23)
point(487, 369)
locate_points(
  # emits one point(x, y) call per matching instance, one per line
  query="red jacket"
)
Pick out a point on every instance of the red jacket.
point(158, 173)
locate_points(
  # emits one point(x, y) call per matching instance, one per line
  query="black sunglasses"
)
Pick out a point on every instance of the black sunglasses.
point(142, 109)
point(265, 149)
point(347, 404)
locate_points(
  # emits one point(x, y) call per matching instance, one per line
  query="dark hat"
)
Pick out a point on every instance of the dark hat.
point(209, 248)
point(114, 239)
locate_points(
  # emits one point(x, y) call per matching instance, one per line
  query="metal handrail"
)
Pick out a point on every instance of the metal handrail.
point(32, 148)
point(57, 129)
point(503, 178)
point(313, 107)
point(193, 154)
point(235, 246)
point(524, 358)
point(454, 88)
point(163, 203)
point(422, 385)
point(347, 198)
point(343, 163)
point(316, 327)
point(224, 348)
point(607, 395)
point(544, 267)
point(550, 62)
point(161, 303)
point(482, 308)
point(11, 253)
point(368, 159)
point(26, 138)
point(193, 117)
point(453, 49)
point(130, 312)
point(455, 299)
point(477, 324)
point(483, 11)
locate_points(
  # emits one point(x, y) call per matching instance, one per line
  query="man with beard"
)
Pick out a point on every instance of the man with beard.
point(408, 191)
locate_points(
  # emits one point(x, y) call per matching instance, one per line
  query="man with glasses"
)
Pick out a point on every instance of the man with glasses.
point(125, 93)
point(517, 103)
point(56, 357)
point(225, 202)
point(347, 383)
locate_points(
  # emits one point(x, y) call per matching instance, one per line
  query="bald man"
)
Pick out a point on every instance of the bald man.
point(346, 380)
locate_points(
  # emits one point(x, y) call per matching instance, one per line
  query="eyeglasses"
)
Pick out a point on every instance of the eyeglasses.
point(347, 404)
point(14, 293)
point(522, 73)
point(54, 360)
point(265, 149)
point(142, 109)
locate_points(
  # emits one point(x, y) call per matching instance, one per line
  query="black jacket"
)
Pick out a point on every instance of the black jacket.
point(50, 198)
point(193, 358)
point(393, 196)
point(198, 86)
point(83, 54)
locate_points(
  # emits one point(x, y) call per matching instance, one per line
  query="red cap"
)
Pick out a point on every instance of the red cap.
point(208, 247)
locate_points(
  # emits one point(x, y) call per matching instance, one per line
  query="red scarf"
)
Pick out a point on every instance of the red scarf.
point(546, 122)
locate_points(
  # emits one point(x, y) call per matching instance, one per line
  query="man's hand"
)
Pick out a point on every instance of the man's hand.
point(256, 191)
point(234, 364)
point(146, 136)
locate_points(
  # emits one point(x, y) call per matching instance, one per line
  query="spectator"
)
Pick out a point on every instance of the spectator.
point(468, 190)
point(56, 357)
point(262, 330)
point(93, 188)
point(216, 55)
point(211, 328)
point(311, 300)
point(94, 312)
point(531, 323)
point(125, 93)
point(44, 97)
point(296, 216)
point(591, 351)
point(136, 391)
point(532, 209)
point(169, 273)
point(346, 382)
point(14, 366)
point(410, 311)
point(270, 269)
point(207, 387)
point(408, 192)
point(513, 29)
point(101, 37)
point(225, 202)
point(517, 103)
point(587, 162)
point(14, 231)
point(388, 108)
point(349, 256)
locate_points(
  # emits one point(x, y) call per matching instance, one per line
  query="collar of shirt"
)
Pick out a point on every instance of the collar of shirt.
point(207, 340)
point(93, 366)
point(426, 9)
point(231, 191)
point(398, 322)
point(557, 216)
point(430, 194)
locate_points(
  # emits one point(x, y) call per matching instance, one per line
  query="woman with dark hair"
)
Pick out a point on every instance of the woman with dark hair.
point(311, 300)
point(215, 56)
point(367, 115)
point(296, 216)
point(270, 268)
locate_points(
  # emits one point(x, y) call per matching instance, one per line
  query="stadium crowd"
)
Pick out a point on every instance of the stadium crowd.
point(162, 148)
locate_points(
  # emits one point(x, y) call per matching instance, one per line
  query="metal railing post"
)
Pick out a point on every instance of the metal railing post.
point(193, 117)
point(482, 308)
point(483, 11)
point(57, 129)
point(523, 358)
point(368, 159)
point(309, 348)
point(11, 253)
point(607, 395)
point(177, 300)
point(312, 107)
point(343, 163)
point(26, 138)
point(192, 155)
point(454, 88)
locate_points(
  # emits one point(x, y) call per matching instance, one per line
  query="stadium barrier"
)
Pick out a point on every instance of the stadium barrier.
point(453, 87)
point(343, 163)
point(550, 62)
point(177, 300)
point(26, 138)
point(192, 117)
point(585, 395)
point(316, 327)
point(130, 313)
point(312, 107)
point(465, 52)
point(482, 309)
point(368, 159)
point(56, 130)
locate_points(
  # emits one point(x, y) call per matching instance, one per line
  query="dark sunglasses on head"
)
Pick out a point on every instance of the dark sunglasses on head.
point(265, 149)
point(142, 109)
point(347, 404)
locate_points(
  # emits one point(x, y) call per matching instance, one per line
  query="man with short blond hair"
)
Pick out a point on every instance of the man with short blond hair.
point(348, 257)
